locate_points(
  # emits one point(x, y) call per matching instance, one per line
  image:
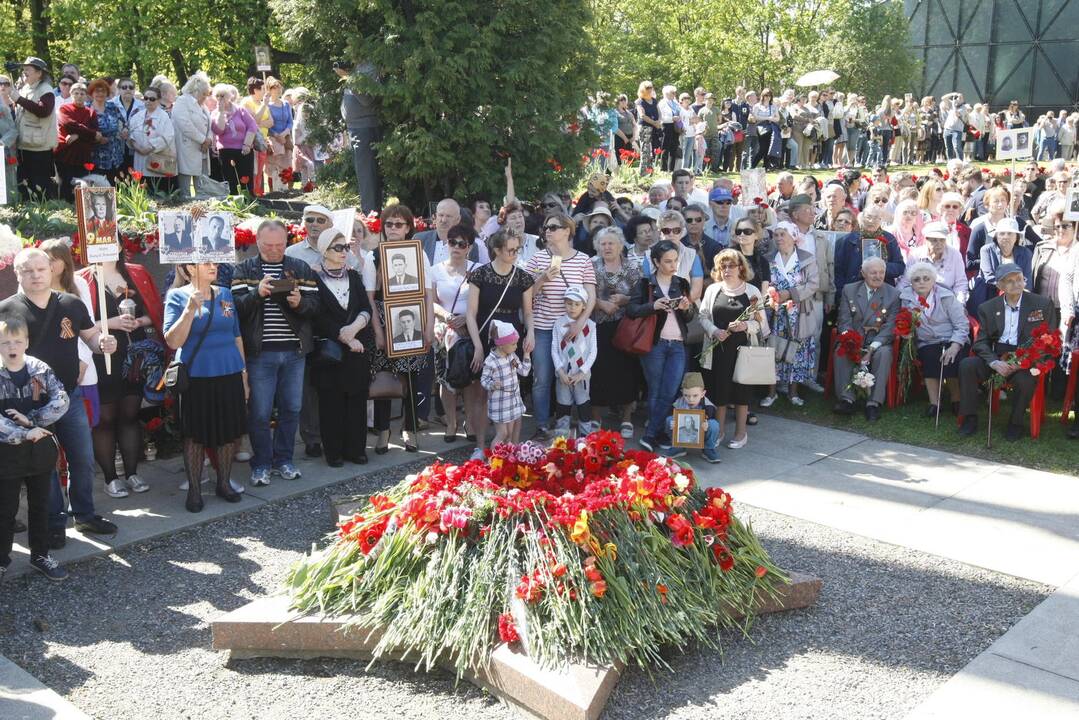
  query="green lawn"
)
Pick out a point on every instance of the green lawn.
point(1052, 451)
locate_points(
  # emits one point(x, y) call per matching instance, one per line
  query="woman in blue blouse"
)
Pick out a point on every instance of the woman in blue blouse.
point(108, 155)
point(213, 409)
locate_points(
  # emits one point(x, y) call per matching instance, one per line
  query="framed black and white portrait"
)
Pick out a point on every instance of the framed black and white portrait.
point(405, 323)
point(1071, 207)
point(215, 240)
point(401, 268)
point(175, 236)
point(689, 427)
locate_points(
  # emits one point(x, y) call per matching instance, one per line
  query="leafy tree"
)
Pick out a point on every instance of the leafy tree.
point(461, 82)
point(723, 43)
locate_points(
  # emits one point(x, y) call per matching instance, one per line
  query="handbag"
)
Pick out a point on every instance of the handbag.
point(459, 374)
point(739, 136)
point(385, 385)
point(636, 336)
point(162, 163)
point(756, 364)
point(784, 349)
point(176, 377)
point(259, 144)
point(328, 353)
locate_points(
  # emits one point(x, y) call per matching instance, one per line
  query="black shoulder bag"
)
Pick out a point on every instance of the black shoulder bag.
point(176, 376)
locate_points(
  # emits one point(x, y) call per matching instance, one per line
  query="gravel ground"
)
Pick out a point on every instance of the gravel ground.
point(128, 636)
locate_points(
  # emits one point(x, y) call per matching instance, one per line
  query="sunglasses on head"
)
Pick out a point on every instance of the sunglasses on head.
point(551, 227)
point(395, 224)
point(339, 247)
point(459, 243)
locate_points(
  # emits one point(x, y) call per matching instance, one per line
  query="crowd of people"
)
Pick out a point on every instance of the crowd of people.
point(59, 130)
point(582, 310)
point(815, 129)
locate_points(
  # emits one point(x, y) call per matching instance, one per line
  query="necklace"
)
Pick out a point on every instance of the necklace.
point(340, 272)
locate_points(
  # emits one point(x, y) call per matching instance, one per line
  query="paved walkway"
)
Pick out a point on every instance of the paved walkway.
point(1004, 518)
point(1000, 517)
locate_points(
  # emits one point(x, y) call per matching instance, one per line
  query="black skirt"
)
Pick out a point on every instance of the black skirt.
point(615, 374)
point(213, 411)
point(929, 355)
point(721, 387)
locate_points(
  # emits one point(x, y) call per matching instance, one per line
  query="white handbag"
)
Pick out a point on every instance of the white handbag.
point(756, 364)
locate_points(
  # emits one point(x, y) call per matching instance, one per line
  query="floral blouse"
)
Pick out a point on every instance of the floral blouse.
point(621, 282)
point(110, 155)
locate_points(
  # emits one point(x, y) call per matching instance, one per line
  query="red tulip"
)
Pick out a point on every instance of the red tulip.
point(89, 167)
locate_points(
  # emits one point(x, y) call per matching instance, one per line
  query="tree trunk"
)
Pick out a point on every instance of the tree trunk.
point(39, 29)
point(179, 66)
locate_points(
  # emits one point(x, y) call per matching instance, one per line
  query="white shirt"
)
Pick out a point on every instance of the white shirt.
point(1010, 336)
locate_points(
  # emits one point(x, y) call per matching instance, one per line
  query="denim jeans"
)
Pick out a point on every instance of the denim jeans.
point(689, 152)
point(663, 368)
point(73, 432)
point(953, 144)
point(886, 136)
point(711, 432)
point(792, 152)
point(1047, 149)
point(275, 377)
point(542, 378)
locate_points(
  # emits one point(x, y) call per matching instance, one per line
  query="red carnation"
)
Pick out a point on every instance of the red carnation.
point(89, 167)
point(244, 180)
point(507, 632)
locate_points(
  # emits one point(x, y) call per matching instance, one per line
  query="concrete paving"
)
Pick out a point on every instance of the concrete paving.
point(22, 697)
point(160, 511)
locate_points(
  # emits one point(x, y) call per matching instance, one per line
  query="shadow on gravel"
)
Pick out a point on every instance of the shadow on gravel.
point(887, 614)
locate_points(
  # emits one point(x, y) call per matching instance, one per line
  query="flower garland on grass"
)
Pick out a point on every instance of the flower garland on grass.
point(581, 550)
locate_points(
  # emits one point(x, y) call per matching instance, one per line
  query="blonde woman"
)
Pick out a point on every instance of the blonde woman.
point(650, 130)
point(279, 156)
point(193, 135)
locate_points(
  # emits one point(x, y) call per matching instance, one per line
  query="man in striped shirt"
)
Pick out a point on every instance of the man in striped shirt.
point(276, 297)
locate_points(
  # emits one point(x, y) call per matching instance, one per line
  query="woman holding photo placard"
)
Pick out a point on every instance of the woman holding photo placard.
point(134, 318)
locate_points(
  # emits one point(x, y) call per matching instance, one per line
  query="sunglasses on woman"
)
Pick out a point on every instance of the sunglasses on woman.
point(316, 219)
point(460, 243)
point(551, 227)
point(671, 230)
point(149, 98)
point(394, 224)
point(744, 231)
point(338, 248)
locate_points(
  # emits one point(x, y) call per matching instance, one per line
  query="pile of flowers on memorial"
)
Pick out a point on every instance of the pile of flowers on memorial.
point(582, 550)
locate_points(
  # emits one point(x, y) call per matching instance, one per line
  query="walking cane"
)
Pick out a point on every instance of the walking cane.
point(940, 389)
point(989, 431)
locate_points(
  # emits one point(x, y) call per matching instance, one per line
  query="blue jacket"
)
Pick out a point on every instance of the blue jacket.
point(51, 406)
point(848, 260)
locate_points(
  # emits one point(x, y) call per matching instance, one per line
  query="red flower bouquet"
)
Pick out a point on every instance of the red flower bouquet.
point(586, 529)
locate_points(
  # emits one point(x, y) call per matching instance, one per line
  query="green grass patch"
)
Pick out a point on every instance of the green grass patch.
point(1053, 451)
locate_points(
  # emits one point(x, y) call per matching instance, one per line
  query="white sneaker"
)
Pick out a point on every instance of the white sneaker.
point(137, 484)
point(768, 401)
point(116, 489)
point(236, 487)
point(243, 456)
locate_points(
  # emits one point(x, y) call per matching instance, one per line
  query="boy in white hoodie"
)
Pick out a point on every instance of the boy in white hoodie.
point(573, 359)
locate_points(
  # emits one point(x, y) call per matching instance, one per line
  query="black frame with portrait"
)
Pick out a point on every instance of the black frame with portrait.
point(419, 305)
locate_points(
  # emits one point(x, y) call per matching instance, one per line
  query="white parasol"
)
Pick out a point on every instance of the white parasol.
point(817, 77)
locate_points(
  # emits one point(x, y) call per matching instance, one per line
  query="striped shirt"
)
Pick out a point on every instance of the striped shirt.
point(549, 303)
point(277, 334)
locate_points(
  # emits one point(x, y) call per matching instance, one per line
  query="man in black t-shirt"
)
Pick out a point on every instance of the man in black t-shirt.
point(56, 322)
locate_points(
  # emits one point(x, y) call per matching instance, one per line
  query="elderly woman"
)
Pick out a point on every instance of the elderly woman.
point(944, 258)
point(942, 332)
point(280, 134)
point(998, 203)
point(725, 301)
point(666, 295)
point(906, 227)
point(796, 323)
point(9, 135)
point(614, 372)
point(108, 154)
point(303, 152)
point(451, 322)
point(511, 218)
point(342, 375)
point(203, 327)
point(235, 131)
point(194, 137)
point(640, 233)
point(555, 268)
point(1054, 263)
point(168, 91)
point(78, 137)
point(153, 139)
point(35, 113)
point(500, 290)
point(1004, 248)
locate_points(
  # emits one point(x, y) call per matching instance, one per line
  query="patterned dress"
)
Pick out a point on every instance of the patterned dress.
point(110, 155)
point(785, 327)
point(504, 404)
